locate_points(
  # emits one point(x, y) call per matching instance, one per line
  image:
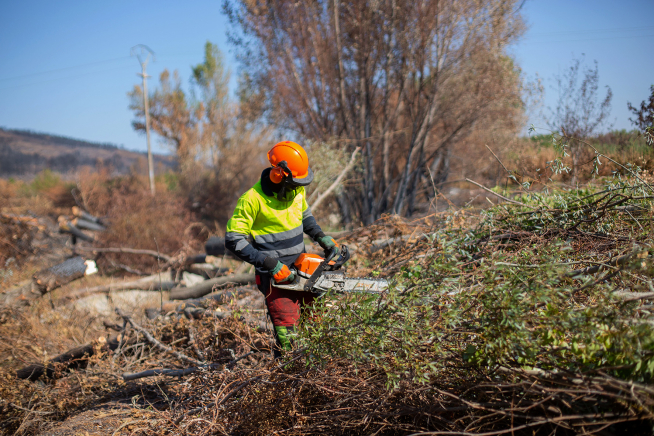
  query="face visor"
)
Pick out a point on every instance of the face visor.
point(282, 174)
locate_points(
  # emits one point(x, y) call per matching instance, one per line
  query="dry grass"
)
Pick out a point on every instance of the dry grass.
point(135, 219)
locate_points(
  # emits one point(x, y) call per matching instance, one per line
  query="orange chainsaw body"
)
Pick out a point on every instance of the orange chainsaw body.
point(307, 263)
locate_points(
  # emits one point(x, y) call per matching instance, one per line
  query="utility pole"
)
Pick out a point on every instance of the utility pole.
point(143, 53)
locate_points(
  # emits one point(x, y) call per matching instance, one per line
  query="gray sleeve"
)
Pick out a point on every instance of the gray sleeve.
point(238, 244)
point(310, 225)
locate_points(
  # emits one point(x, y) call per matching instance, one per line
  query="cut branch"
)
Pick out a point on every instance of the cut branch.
point(151, 339)
point(498, 195)
point(73, 358)
point(208, 286)
point(181, 372)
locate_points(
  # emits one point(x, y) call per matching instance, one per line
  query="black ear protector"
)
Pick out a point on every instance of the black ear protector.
point(287, 180)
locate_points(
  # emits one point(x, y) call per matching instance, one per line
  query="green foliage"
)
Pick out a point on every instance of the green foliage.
point(45, 180)
point(478, 307)
point(327, 162)
point(171, 180)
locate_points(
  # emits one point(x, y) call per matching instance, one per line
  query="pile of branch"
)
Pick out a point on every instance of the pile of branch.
point(80, 224)
point(341, 399)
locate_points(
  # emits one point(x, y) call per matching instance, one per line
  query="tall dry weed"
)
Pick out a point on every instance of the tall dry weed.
point(135, 218)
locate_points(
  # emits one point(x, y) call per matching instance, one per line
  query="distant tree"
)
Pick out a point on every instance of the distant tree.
point(211, 80)
point(580, 112)
point(211, 138)
point(405, 80)
point(645, 117)
point(171, 115)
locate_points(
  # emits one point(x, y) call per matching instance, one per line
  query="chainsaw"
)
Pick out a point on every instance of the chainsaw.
point(319, 275)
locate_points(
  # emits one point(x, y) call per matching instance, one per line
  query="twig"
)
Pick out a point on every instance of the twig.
point(498, 195)
point(15, 406)
point(128, 423)
point(338, 180)
point(606, 157)
point(121, 342)
point(183, 371)
point(155, 342)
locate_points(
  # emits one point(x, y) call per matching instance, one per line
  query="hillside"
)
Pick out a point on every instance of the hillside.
point(24, 153)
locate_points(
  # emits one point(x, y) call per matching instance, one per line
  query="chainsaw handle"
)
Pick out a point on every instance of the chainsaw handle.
point(344, 256)
point(325, 266)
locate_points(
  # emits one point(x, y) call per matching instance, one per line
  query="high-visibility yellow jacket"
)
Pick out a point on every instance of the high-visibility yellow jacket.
point(275, 227)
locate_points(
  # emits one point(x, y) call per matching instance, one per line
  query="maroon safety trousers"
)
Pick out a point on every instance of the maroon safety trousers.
point(284, 306)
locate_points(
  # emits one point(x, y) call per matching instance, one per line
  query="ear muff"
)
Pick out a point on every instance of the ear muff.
point(277, 175)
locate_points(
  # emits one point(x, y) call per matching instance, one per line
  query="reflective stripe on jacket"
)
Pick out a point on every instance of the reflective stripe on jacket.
point(276, 227)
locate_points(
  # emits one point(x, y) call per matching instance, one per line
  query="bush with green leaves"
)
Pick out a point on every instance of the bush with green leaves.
point(516, 290)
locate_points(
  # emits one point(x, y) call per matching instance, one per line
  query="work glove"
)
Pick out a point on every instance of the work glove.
point(279, 272)
point(328, 244)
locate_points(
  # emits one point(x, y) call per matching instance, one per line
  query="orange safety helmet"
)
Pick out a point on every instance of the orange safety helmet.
point(291, 163)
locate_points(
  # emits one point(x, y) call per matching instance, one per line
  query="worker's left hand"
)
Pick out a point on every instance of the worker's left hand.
point(328, 244)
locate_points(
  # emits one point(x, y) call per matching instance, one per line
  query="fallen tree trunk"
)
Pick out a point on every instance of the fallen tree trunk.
point(152, 253)
point(182, 372)
point(155, 282)
point(45, 281)
point(71, 359)
point(208, 286)
point(204, 302)
point(61, 274)
point(86, 216)
point(66, 226)
point(88, 225)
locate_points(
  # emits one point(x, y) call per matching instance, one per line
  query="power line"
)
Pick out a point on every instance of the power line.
point(582, 31)
point(588, 39)
point(63, 78)
point(65, 68)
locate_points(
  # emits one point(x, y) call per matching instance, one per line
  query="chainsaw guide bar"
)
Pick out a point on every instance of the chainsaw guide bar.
point(320, 275)
point(337, 281)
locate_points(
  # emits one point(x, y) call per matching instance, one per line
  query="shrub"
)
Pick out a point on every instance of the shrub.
point(135, 218)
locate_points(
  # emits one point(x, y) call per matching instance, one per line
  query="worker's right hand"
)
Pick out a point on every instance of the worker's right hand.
point(328, 244)
point(279, 272)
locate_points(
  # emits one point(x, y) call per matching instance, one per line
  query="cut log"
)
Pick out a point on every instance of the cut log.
point(208, 286)
point(66, 226)
point(88, 225)
point(61, 274)
point(71, 359)
point(86, 216)
point(198, 258)
point(45, 281)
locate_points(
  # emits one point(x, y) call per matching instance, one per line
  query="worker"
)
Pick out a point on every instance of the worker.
point(274, 213)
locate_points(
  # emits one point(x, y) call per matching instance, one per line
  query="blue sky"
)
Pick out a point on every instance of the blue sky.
point(65, 66)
